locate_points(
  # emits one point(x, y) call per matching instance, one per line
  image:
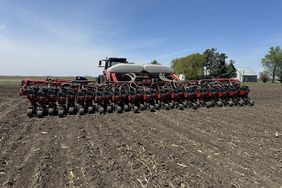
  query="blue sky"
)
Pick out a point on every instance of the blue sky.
point(64, 37)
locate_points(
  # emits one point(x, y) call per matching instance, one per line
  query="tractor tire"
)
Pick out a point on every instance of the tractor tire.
point(101, 79)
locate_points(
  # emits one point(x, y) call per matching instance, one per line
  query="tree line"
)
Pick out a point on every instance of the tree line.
point(272, 64)
point(209, 64)
point(213, 64)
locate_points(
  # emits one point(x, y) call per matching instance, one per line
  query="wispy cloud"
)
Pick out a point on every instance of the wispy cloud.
point(68, 48)
point(3, 27)
point(62, 49)
point(27, 58)
point(211, 8)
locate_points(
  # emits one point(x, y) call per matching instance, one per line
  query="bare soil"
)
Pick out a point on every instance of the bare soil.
point(216, 147)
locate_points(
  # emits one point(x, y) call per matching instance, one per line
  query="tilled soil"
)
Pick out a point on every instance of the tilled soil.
point(216, 147)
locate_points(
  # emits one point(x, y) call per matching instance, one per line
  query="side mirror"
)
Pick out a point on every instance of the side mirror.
point(100, 63)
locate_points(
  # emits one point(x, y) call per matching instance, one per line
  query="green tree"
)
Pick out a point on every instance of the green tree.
point(231, 70)
point(272, 62)
point(155, 62)
point(217, 66)
point(191, 66)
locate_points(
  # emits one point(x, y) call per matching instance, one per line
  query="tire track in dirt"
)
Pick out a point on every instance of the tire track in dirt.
point(50, 167)
point(151, 145)
point(4, 102)
point(20, 150)
point(254, 148)
point(11, 108)
point(255, 154)
point(170, 144)
point(119, 137)
point(80, 157)
point(195, 145)
point(151, 155)
point(205, 141)
point(175, 116)
point(258, 115)
point(114, 151)
point(217, 119)
point(251, 128)
point(22, 145)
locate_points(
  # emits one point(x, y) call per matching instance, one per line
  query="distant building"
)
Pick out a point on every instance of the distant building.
point(246, 75)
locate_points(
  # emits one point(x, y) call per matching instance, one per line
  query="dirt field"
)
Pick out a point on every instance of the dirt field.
point(217, 147)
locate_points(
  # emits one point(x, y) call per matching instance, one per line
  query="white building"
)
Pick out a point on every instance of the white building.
point(246, 75)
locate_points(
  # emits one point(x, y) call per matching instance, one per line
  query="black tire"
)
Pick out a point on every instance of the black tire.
point(81, 111)
point(61, 113)
point(142, 107)
point(71, 110)
point(185, 104)
point(118, 109)
point(166, 106)
point(90, 109)
point(152, 108)
point(158, 106)
point(109, 109)
point(181, 107)
point(29, 112)
point(219, 104)
point(101, 110)
point(101, 79)
point(39, 113)
point(194, 106)
point(241, 102)
point(135, 108)
point(126, 108)
point(51, 111)
point(251, 102)
point(208, 104)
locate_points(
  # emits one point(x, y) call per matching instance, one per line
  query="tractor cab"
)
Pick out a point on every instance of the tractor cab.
point(109, 62)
